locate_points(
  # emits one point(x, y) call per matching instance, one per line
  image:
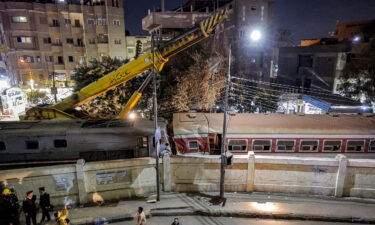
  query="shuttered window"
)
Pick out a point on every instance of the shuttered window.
point(237, 145)
point(355, 146)
point(262, 145)
point(309, 146)
point(285, 146)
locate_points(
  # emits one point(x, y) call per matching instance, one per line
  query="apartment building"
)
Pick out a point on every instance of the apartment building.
point(47, 40)
point(136, 45)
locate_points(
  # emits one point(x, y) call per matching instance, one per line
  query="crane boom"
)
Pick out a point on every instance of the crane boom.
point(62, 109)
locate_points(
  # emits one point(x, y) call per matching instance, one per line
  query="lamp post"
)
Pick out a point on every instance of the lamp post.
point(255, 36)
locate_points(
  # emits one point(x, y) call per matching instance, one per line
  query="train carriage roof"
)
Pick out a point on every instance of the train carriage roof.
point(203, 123)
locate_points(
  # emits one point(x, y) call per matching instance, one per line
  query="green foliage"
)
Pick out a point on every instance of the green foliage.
point(109, 104)
point(358, 78)
point(37, 97)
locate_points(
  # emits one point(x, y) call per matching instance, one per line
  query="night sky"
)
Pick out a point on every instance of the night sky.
point(305, 18)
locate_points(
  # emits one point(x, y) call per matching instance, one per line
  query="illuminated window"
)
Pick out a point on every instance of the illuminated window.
point(193, 145)
point(262, 145)
point(355, 146)
point(91, 21)
point(285, 146)
point(116, 22)
point(142, 142)
point(19, 19)
point(24, 40)
point(237, 145)
point(309, 146)
point(371, 147)
point(332, 146)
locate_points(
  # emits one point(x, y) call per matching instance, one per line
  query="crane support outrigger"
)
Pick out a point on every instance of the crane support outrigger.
point(65, 109)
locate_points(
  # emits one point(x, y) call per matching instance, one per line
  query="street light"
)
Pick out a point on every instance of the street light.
point(132, 116)
point(32, 84)
point(255, 35)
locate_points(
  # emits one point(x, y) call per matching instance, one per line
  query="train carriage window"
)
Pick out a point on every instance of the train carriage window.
point(237, 145)
point(193, 145)
point(32, 144)
point(332, 146)
point(142, 142)
point(60, 143)
point(2, 146)
point(371, 147)
point(285, 146)
point(262, 145)
point(355, 146)
point(309, 146)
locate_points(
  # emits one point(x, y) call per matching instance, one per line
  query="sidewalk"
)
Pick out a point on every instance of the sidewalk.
point(254, 205)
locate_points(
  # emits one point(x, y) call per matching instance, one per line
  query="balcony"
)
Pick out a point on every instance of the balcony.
point(56, 47)
point(77, 29)
point(58, 66)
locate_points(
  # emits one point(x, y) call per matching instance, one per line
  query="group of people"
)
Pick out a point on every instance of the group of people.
point(10, 208)
point(140, 218)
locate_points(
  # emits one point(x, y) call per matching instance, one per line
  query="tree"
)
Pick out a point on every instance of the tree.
point(108, 105)
point(37, 97)
point(358, 78)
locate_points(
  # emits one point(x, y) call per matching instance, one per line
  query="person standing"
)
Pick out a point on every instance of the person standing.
point(140, 217)
point(29, 208)
point(15, 207)
point(45, 204)
point(176, 222)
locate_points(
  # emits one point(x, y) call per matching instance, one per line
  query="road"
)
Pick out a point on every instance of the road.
point(201, 220)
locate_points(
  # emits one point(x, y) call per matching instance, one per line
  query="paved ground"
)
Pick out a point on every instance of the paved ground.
point(199, 220)
point(244, 205)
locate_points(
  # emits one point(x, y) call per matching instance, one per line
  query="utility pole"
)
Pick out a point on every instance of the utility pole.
point(223, 150)
point(54, 89)
point(155, 119)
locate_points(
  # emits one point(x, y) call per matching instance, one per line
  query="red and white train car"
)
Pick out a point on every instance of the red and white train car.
point(300, 135)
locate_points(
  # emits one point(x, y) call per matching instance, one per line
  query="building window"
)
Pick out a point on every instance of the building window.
point(2, 146)
point(193, 145)
point(355, 146)
point(55, 23)
point(79, 42)
point(130, 50)
point(69, 41)
point(101, 21)
point(49, 58)
point(253, 8)
point(60, 60)
point(47, 40)
point(67, 21)
point(91, 21)
point(332, 146)
point(103, 38)
point(38, 59)
point(77, 23)
point(81, 60)
point(26, 58)
point(261, 145)
point(70, 58)
point(19, 19)
point(32, 144)
point(285, 146)
point(115, 3)
point(237, 145)
point(309, 146)
point(24, 40)
point(142, 142)
point(92, 41)
point(371, 147)
point(60, 143)
point(117, 41)
point(116, 22)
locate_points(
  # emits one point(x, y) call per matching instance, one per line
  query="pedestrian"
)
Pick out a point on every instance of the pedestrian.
point(29, 208)
point(61, 217)
point(15, 207)
point(140, 217)
point(8, 208)
point(176, 222)
point(45, 204)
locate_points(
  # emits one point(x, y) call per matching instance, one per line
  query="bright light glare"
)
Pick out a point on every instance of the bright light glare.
point(267, 206)
point(356, 39)
point(256, 35)
point(132, 116)
point(4, 84)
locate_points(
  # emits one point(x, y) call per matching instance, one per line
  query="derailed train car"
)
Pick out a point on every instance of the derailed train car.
point(69, 140)
point(277, 134)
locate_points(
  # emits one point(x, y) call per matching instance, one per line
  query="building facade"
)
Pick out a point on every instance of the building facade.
point(136, 45)
point(49, 40)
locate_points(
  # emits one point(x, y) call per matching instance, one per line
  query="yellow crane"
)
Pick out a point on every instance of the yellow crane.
point(157, 58)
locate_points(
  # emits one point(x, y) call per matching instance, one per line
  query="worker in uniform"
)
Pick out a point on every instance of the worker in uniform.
point(61, 217)
point(45, 204)
point(9, 208)
point(29, 208)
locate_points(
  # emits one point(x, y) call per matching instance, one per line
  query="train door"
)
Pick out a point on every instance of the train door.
point(215, 143)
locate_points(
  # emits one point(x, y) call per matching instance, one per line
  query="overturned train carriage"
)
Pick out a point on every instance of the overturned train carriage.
point(67, 140)
point(277, 134)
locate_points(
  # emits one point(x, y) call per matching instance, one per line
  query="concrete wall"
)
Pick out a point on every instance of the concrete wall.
point(102, 181)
